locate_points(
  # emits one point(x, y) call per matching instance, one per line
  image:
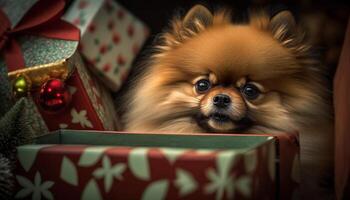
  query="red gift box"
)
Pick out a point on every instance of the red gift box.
point(342, 118)
point(102, 165)
point(91, 106)
point(38, 46)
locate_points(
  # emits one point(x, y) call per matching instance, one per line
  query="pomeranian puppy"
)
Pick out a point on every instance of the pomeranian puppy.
point(210, 75)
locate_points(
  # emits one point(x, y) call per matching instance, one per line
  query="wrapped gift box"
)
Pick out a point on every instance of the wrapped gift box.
point(39, 46)
point(111, 37)
point(342, 118)
point(91, 106)
point(104, 165)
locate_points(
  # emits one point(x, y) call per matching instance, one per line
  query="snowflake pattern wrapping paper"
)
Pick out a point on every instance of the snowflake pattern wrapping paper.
point(111, 38)
point(141, 166)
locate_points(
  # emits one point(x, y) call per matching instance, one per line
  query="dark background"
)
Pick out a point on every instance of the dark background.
point(157, 13)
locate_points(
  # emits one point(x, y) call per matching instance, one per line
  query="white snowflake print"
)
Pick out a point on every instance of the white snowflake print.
point(219, 183)
point(109, 172)
point(72, 90)
point(63, 126)
point(37, 188)
point(222, 181)
point(80, 117)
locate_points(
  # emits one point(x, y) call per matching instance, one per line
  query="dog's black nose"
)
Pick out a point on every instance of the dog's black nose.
point(221, 100)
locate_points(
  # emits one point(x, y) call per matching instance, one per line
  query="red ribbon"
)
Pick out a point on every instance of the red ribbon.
point(43, 19)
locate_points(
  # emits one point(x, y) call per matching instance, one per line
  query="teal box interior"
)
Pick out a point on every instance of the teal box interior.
point(209, 141)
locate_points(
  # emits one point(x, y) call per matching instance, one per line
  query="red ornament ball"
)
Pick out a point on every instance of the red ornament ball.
point(54, 96)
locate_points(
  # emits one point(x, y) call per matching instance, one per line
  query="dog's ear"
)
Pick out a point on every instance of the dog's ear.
point(283, 28)
point(197, 18)
point(283, 25)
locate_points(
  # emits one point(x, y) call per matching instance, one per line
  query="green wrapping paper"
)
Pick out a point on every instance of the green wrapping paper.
point(5, 95)
point(38, 50)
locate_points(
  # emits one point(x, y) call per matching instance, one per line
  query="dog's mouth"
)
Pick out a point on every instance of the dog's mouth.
point(219, 117)
point(222, 122)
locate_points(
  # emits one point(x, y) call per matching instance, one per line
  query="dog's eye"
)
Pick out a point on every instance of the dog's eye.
point(203, 85)
point(250, 91)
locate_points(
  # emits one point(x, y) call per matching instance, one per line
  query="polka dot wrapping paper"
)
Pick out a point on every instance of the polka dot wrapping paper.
point(110, 38)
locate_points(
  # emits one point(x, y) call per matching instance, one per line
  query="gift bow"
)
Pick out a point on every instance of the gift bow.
point(43, 19)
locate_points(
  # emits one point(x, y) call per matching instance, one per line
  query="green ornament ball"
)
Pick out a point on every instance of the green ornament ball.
point(21, 86)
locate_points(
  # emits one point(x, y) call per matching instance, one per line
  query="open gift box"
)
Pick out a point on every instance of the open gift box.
point(71, 164)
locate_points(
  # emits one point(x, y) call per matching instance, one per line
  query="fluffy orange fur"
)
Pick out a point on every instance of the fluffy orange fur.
point(270, 53)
